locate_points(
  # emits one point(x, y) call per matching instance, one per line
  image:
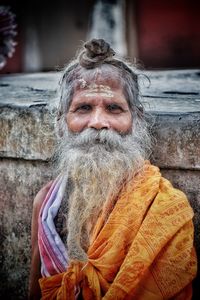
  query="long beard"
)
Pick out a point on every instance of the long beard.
point(98, 163)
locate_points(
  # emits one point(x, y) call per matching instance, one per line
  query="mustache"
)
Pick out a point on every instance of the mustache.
point(108, 138)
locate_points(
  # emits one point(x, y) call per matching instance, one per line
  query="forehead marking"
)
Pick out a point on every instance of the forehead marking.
point(103, 94)
point(83, 83)
point(99, 89)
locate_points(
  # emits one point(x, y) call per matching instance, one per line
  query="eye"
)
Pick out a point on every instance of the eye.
point(83, 108)
point(114, 108)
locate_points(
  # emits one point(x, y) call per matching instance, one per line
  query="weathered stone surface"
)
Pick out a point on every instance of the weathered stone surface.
point(27, 111)
point(27, 105)
point(26, 133)
point(177, 143)
point(29, 90)
point(172, 91)
point(20, 182)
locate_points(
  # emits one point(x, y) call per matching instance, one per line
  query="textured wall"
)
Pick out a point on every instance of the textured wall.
point(27, 107)
point(20, 181)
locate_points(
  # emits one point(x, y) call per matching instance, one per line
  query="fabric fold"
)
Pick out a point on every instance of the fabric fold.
point(53, 252)
point(143, 250)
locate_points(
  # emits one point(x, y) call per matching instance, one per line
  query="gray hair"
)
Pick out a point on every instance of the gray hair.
point(96, 61)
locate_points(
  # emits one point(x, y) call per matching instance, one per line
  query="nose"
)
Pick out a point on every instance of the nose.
point(98, 120)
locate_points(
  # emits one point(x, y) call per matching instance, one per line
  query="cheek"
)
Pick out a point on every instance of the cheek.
point(75, 123)
point(123, 124)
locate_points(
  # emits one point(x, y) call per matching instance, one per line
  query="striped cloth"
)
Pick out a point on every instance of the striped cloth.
point(53, 254)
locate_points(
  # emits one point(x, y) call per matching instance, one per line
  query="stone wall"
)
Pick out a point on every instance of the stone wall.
point(27, 107)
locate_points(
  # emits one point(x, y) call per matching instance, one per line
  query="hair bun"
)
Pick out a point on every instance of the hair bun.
point(96, 52)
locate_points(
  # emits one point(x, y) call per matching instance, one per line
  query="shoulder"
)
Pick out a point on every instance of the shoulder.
point(172, 203)
point(168, 200)
point(168, 191)
point(39, 198)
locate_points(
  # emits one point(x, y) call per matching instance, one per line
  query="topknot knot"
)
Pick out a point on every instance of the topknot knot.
point(96, 52)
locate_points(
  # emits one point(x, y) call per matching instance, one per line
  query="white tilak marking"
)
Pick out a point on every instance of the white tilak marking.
point(103, 94)
point(83, 83)
point(102, 90)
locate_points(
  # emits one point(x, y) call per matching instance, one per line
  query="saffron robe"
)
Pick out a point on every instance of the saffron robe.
point(143, 250)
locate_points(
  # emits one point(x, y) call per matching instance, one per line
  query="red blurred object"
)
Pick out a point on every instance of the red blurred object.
point(169, 33)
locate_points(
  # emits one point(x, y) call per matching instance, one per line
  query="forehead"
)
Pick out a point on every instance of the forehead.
point(106, 78)
point(95, 93)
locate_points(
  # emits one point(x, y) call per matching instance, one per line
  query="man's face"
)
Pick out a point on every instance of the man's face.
point(100, 107)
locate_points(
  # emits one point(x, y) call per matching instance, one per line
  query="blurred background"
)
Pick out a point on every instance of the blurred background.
point(160, 34)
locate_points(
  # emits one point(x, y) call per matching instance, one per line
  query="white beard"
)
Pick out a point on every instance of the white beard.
point(97, 162)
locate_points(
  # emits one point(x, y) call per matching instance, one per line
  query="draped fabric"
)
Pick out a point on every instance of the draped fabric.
point(141, 247)
point(53, 253)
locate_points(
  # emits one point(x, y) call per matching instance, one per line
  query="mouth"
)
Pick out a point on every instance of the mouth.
point(97, 141)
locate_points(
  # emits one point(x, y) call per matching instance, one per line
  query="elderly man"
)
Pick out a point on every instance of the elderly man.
point(109, 226)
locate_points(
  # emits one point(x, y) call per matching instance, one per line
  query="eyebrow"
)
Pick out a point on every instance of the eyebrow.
point(117, 103)
point(82, 103)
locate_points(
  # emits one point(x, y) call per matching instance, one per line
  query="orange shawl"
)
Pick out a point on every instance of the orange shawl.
point(143, 250)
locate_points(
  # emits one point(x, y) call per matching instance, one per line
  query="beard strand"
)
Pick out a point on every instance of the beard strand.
point(97, 162)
